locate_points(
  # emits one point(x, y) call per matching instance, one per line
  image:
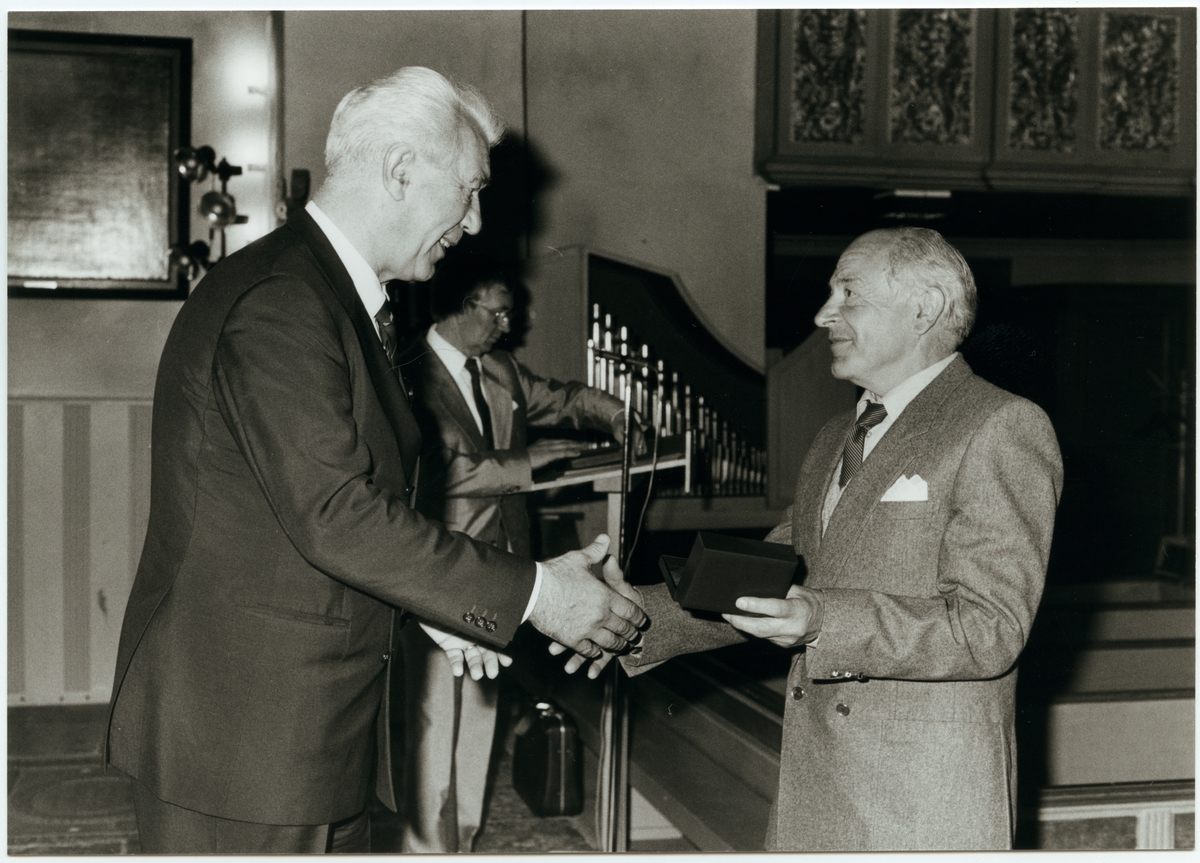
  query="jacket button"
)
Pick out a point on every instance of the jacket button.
point(797, 693)
point(491, 626)
point(843, 709)
point(835, 674)
point(408, 490)
point(480, 622)
point(860, 676)
point(385, 658)
point(468, 618)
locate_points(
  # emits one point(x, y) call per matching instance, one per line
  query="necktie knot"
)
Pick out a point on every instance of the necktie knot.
point(852, 455)
point(872, 416)
point(387, 331)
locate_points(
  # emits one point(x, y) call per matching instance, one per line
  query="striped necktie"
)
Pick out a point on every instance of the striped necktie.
point(852, 456)
point(387, 332)
point(388, 336)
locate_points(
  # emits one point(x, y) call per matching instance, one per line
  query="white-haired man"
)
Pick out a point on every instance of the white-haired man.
point(250, 697)
point(924, 519)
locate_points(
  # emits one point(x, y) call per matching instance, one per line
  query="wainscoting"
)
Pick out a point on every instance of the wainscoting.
point(78, 504)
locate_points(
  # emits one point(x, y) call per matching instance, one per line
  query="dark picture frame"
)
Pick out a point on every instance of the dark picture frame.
point(94, 199)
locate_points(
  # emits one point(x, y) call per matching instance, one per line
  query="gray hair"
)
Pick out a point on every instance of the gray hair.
point(921, 258)
point(414, 104)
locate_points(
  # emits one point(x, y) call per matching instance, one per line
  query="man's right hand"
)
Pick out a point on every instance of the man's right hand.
point(615, 579)
point(580, 611)
point(546, 450)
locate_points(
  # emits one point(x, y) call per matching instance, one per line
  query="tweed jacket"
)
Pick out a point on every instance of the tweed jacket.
point(462, 483)
point(899, 722)
point(251, 678)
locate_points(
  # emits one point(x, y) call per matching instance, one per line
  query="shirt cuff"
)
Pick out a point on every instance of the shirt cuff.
point(537, 588)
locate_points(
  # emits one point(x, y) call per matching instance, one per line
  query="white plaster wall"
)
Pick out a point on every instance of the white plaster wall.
point(646, 121)
point(329, 53)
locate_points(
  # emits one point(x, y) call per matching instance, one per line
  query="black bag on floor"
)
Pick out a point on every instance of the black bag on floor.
point(547, 762)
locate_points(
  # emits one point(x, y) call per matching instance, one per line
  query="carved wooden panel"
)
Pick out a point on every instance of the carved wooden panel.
point(1093, 99)
point(828, 83)
point(1043, 99)
point(930, 94)
point(1139, 81)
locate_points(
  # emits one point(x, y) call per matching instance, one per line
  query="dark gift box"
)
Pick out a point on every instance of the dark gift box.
point(722, 568)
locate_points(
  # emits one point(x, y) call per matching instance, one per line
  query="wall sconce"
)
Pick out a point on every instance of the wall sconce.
point(191, 259)
point(218, 207)
point(195, 164)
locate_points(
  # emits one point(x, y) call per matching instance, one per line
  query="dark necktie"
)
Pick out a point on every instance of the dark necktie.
point(387, 332)
point(387, 335)
point(485, 415)
point(852, 456)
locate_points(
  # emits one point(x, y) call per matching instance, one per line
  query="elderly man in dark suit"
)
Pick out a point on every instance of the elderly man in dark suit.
point(924, 519)
point(475, 405)
point(250, 697)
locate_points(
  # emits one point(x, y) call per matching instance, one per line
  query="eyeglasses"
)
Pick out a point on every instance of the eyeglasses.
point(500, 316)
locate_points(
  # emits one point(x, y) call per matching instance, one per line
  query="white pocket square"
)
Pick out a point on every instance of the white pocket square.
point(515, 405)
point(907, 488)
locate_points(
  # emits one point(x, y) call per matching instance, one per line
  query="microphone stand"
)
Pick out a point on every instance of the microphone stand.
point(613, 798)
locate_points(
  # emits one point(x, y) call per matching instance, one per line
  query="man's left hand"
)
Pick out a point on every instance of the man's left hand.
point(795, 619)
point(479, 660)
point(618, 432)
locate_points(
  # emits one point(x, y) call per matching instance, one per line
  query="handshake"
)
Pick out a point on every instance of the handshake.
point(595, 619)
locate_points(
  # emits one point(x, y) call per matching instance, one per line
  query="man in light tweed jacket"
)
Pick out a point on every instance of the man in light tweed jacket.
point(924, 520)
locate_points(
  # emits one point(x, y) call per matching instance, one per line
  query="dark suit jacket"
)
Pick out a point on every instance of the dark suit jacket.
point(898, 730)
point(467, 486)
point(251, 674)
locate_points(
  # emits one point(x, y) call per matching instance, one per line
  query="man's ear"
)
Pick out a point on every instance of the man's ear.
point(398, 163)
point(931, 305)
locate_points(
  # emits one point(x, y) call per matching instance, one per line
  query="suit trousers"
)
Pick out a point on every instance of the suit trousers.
point(449, 725)
point(165, 828)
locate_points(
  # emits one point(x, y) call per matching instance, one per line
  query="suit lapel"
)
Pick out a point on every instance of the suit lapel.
point(446, 391)
point(386, 381)
point(905, 442)
point(807, 516)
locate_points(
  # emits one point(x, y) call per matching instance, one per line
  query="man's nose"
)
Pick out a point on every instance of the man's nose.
point(827, 314)
point(473, 220)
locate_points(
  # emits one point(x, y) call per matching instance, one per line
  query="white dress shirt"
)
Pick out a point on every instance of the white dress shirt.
point(894, 402)
point(455, 362)
point(366, 282)
point(373, 296)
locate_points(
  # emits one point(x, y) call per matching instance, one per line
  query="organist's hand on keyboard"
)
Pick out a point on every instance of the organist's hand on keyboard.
point(545, 451)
